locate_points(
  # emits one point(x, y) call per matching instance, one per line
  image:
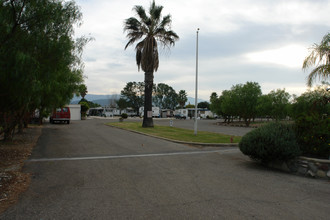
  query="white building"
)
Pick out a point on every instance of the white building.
point(75, 111)
point(201, 113)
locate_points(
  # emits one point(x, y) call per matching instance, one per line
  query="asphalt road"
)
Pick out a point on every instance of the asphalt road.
point(86, 170)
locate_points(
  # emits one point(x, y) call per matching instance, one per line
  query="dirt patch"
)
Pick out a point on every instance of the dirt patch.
point(12, 156)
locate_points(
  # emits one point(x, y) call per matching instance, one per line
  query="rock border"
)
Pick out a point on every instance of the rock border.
point(304, 166)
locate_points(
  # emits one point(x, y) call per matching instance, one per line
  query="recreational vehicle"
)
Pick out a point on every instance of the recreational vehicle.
point(155, 112)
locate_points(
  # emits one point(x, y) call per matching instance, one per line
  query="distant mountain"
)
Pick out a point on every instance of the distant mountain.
point(103, 100)
point(192, 101)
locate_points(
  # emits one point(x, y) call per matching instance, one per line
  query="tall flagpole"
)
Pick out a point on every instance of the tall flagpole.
point(196, 85)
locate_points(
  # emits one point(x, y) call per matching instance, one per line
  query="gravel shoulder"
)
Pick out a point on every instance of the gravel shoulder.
point(13, 181)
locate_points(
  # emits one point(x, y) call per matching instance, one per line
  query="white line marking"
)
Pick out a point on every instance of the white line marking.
point(132, 156)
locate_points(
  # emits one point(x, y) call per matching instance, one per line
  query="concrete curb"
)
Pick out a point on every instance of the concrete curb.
point(182, 142)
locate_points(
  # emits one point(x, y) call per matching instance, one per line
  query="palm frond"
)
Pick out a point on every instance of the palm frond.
point(167, 38)
point(141, 13)
point(155, 12)
point(152, 29)
point(166, 21)
point(138, 58)
point(134, 30)
point(133, 37)
point(322, 71)
point(131, 24)
point(319, 57)
point(310, 60)
point(139, 48)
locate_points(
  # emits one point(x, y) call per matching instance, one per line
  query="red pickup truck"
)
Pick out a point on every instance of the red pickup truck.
point(60, 114)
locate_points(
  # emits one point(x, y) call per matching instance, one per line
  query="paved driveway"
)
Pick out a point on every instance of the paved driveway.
point(87, 170)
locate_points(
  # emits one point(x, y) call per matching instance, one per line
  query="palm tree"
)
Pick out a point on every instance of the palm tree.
point(319, 56)
point(82, 90)
point(182, 98)
point(152, 29)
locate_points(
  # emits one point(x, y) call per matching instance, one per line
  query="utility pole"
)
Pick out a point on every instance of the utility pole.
point(196, 85)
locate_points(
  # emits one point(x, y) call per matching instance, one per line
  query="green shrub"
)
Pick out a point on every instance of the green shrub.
point(124, 115)
point(313, 136)
point(84, 107)
point(274, 141)
point(312, 123)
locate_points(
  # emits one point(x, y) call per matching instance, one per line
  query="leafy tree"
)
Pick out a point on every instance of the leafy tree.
point(204, 105)
point(190, 106)
point(122, 104)
point(264, 106)
point(84, 108)
point(249, 94)
point(280, 102)
point(241, 101)
point(310, 112)
point(40, 62)
point(228, 105)
point(133, 93)
point(89, 103)
point(165, 96)
point(213, 97)
point(153, 29)
point(182, 98)
point(215, 105)
point(319, 56)
point(93, 104)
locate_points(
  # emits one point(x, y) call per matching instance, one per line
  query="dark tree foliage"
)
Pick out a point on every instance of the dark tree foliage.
point(182, 98)
point(89, 103)
point(40, 62)
point(241, 101)
point(312, 122)
point(204, 105)
point(133, 93)
point(122, 104)
point(165, 96)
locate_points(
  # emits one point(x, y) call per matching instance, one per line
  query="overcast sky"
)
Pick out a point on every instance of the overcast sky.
point(263, 41)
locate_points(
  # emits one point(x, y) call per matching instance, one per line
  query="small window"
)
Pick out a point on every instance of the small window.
point(58, 110)
point(65, 109)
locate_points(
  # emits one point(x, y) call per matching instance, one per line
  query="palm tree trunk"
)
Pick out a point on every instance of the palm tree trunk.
point(148, 80)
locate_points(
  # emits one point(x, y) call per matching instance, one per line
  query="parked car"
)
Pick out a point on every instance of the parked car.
point(60, 114)
point(180, 116)
point(181, 113)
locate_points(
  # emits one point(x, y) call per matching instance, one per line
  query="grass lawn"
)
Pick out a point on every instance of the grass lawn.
point(177, 133)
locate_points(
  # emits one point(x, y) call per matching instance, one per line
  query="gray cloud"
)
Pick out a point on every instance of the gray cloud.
point(230, 32)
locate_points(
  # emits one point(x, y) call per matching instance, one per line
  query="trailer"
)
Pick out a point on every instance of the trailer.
point(181, 113)
point(155, 112)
